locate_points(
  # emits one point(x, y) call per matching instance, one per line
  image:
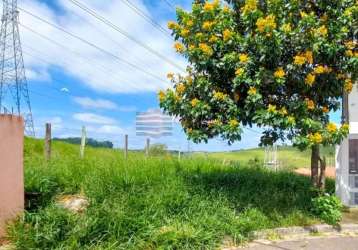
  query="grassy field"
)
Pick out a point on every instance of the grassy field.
point(155, 203)
point(289, 157)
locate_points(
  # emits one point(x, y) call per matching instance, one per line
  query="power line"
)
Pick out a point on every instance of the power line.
point(119, 45)
point(124, 33)
point(48, 62)
point(91, 45)
point(146, 17)
point(86, 60)
point(169, 4)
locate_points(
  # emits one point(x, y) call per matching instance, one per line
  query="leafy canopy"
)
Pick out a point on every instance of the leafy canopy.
point(282, 65)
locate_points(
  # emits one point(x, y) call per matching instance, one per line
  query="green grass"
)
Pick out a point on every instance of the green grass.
point(289, 157)
point(156, 203)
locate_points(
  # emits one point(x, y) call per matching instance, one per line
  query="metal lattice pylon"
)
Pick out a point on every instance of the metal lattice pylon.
point(271, 160)
point(14, 92)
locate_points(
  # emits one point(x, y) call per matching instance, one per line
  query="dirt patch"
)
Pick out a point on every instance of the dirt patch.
point(330, 172)
point(74, 203)
point(3, 241)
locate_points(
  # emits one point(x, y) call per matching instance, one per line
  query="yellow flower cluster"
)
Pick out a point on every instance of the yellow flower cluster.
point(319, 70)
point(211, 6)
point(272, 108)
point(302, 58)
point(184, 32)
point(180, 88)
point(189, 80)
point(310, 104)
point(227, 35)
point(309, 56)
point(219, 95)
point(194, 102)
point(299, 60)
point(199, 36)
point(345, 127)
point(215, 122)
point(291, 120)
point(206, 49)
point(239, 72)
point(331, 127)
point(341, 76)
point(322, 31)
point(348, 85)
point(179, 47)
point(325, 109)
point(213, 39)
point(279, 73)
point(286, 28)
point(310, 79)
point(266, 24)
point(350, 45)
point(191, 47)
point(349, 53)
point(252, 91)
point(283, 111)
point(315, 138)
point(172, 25)
point(322, 69)
point(161, 95)
point(226, 9)
point(233, 123)
point(189, 23)
point(170, 76)
point(207, 25)
point(303, 14)
point(244, 58)
point(250, 6)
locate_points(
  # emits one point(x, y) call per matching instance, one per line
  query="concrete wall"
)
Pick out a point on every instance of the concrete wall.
point(11, 168)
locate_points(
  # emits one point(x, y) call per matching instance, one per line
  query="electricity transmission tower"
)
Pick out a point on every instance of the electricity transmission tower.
point(13, 84)
point(271, 160)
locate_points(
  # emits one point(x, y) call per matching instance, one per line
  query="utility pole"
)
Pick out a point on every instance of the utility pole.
point(13, 83)
point(147, 147)
point(48, 141)
point(125, 146)
point(83, 142)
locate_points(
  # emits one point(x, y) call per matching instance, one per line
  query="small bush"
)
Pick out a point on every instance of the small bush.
point(158, 149)
point(328, 208)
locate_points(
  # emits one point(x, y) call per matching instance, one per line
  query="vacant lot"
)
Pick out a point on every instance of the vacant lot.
point(156, 203)
point(288, 157)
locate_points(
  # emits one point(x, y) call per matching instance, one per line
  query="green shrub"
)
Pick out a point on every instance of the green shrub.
point(158, 149)
point(328, 208)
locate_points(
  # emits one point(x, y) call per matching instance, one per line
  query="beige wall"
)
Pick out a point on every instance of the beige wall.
point(11, 168)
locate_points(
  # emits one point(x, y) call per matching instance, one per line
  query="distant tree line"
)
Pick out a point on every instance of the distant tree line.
point(90, 142)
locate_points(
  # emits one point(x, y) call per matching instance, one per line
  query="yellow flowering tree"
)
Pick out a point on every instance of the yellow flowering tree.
point(282, 65)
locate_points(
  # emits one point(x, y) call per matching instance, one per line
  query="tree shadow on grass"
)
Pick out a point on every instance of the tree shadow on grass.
point(244, 187)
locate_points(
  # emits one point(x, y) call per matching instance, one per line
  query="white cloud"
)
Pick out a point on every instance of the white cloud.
point(93, 118)
point(39, 75)
point(95, 69)
point(106, 130)
point(87, 102)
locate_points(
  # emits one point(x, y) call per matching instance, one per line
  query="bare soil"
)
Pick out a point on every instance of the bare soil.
point(330, 172)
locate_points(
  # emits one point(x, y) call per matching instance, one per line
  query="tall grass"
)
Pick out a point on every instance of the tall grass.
point(155, 203)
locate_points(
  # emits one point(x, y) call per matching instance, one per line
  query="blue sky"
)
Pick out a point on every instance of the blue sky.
point(74, 84)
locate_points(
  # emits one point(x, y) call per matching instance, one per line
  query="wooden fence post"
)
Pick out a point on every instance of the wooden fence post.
point(48, 142)
point(83, 142)
point(147, 147)
point(126, 146)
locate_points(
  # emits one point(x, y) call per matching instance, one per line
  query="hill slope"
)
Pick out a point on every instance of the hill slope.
point(151, 203)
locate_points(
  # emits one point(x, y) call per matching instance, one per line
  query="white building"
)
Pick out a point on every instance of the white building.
point(347, 156)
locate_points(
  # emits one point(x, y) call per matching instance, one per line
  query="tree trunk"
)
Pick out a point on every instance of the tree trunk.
point(315, 166)
point(322, 176)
